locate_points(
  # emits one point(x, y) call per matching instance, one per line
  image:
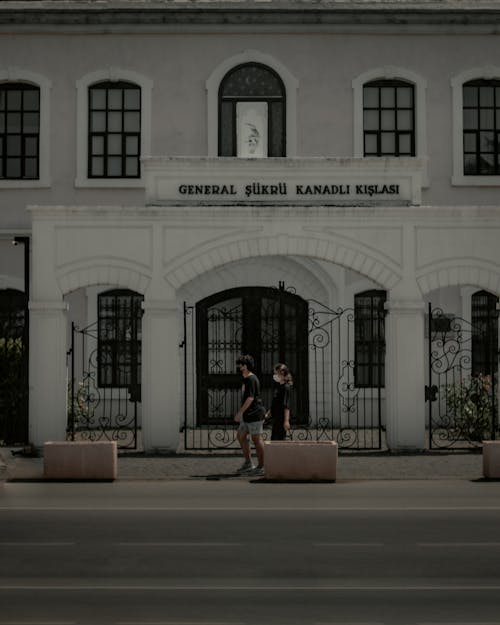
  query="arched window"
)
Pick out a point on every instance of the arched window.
point(484, 333)
point(19, 131)
point(388, 118)
point(369, 339)
point(252, 112)
point(114, 130)
point(119, 338)
point(481, 127)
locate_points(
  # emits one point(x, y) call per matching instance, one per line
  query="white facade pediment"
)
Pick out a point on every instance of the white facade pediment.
point(302, 181)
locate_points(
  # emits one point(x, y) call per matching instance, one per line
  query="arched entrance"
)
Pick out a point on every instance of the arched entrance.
point(13, 367)
point(268, 323)
point(329, 351)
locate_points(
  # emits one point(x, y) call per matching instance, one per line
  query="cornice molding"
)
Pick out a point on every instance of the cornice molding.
point(360, 15)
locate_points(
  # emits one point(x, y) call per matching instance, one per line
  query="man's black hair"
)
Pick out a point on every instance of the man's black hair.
point(247, 360)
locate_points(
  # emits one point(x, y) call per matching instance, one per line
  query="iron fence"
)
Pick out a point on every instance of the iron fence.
point(462, 392)
point(330, 402)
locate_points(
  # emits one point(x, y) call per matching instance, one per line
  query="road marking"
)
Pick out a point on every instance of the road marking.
point(345, 544)
point(249, 588)
point(37, 544)
point(179, 544)
point(182, 623)
point(338, 508)
point(458, 544)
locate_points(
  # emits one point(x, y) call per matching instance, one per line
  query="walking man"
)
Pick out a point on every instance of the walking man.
point(250, 416)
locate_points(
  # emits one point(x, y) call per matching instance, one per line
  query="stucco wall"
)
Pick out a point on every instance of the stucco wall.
point(324, 66)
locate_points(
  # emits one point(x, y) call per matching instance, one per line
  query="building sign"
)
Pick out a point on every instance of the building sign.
point(282, 181)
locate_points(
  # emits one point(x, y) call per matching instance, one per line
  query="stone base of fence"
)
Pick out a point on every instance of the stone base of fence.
point(491, 459)
point(80, 460)
point(308, 461)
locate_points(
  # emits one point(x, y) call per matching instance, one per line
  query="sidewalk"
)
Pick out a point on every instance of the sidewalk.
point(353, 466)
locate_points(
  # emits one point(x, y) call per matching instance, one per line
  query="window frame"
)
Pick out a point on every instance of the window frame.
point(235, 100)
point(480, 315)
point(395, 109)
point(111, 75)
point(478, 128)
point(394, 73)
point(290, 84)
point(22, 133)
point(14, 75)
point(376, 346)
point(135, 302)
point(105, 134)
point(457, 83)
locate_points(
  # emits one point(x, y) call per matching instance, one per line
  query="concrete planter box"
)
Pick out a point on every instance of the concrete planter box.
point(80, 460)
point(491, 459)
point(301, 460)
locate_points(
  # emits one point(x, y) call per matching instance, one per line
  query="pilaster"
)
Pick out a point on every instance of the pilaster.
point(405, 375)
point(160, 375)
point(47, 372)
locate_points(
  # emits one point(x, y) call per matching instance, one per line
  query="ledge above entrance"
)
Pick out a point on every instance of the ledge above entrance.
point(178, 181)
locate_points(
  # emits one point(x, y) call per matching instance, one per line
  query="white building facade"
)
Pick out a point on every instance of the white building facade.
point(302, 182)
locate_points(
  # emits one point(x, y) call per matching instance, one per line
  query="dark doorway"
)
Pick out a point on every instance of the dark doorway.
point(13, 367)
point(268, 323)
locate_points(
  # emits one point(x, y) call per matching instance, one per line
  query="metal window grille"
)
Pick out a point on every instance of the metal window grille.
point(369, 339)
point(252, 82)
point(484, 333)
point(481, 127)
point(389, 118)
point(119, 338)
point(114, 137)
point(19, 131)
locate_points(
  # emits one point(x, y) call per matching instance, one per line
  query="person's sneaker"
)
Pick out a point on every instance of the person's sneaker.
point(258, 471)
point(246, 467)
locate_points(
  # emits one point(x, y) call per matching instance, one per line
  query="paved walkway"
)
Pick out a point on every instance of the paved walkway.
point(361, 466)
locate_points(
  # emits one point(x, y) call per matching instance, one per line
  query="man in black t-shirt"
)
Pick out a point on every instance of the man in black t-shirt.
point(250, 416)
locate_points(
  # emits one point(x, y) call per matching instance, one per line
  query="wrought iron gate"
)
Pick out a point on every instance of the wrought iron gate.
point(14, 348)
point(329, 400)
point(462, 390)
point(97, 412)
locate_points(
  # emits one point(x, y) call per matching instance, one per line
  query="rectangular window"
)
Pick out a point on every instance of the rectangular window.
point(481, 128)
point(388, 118)
point(119, 338)
point(114, 130)
point(484, 334)
point(369, 339)
point(19, 131)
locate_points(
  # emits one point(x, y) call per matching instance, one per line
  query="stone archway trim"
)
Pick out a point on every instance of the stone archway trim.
point(102, 272)
point(191, 265)
point(473, 273)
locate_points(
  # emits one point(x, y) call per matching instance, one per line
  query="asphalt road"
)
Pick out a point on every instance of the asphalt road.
point(200, 553)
